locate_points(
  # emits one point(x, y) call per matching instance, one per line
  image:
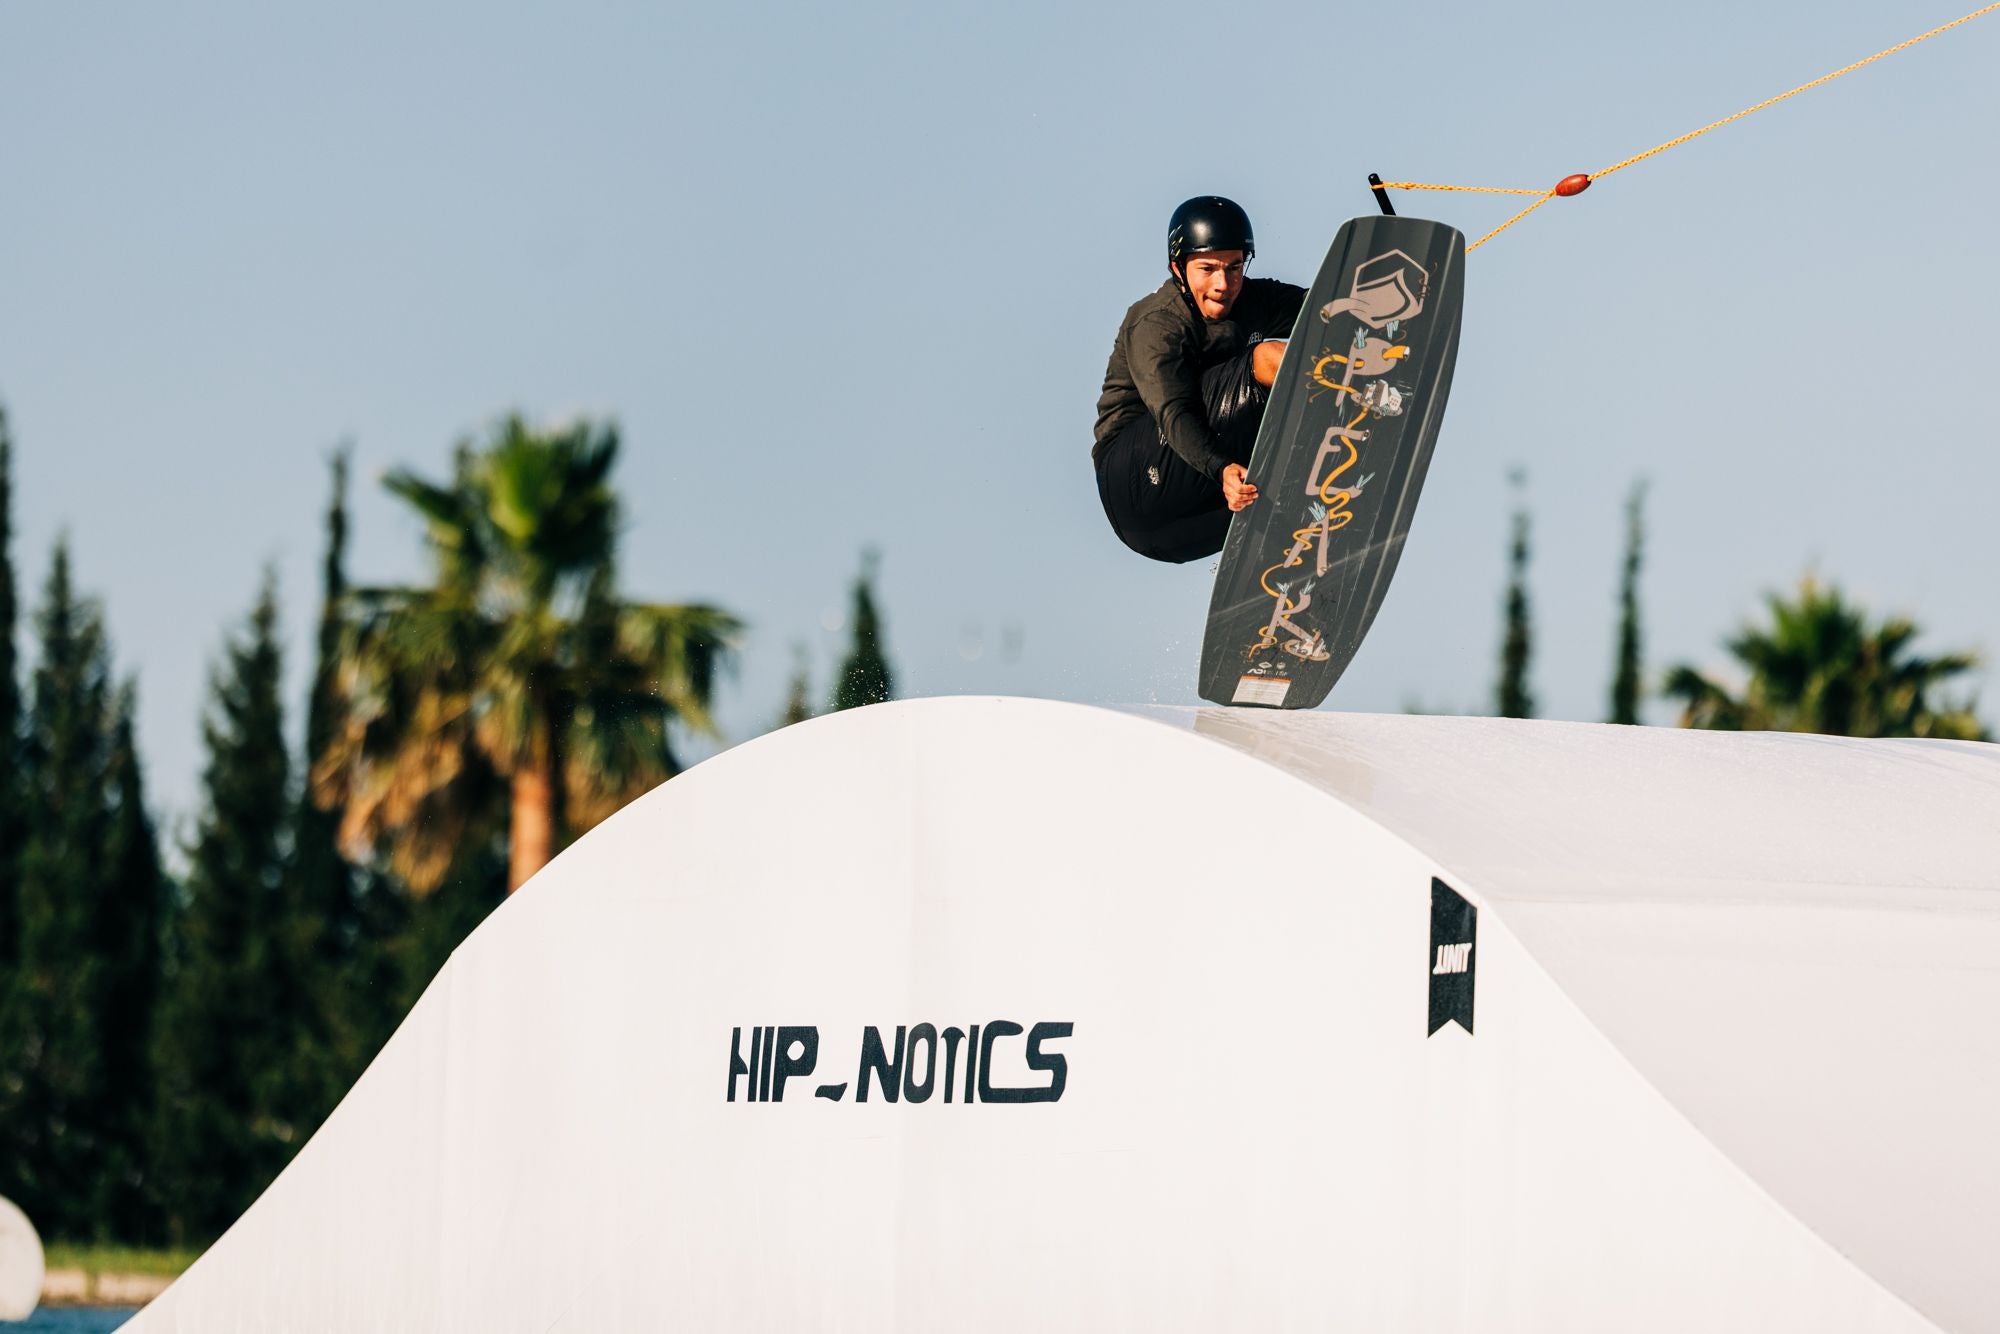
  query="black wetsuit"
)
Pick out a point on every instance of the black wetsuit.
point(1180, 404)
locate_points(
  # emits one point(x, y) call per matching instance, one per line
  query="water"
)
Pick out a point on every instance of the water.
point(73, 1320)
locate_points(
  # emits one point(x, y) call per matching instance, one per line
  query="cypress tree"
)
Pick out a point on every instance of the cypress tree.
point(53, 1085)
point(324, 927)
point(865, 677)
point(1628, 676)
point(1517, 644)
point(129, 931)
point(11, 793)
point(222, 1044)
point(798, 700)
point(324, 878)
point(345, 918)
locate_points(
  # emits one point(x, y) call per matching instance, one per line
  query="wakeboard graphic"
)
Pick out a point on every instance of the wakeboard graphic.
point(1339, 462)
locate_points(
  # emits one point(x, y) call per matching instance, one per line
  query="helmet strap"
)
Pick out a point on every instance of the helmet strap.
point(1187, 293)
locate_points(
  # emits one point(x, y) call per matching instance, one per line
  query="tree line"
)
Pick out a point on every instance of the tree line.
point(1817, 661)
point(172, 1029)
point(168, 1038)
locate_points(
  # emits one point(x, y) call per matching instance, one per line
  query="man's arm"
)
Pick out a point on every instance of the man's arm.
point(1169, 385)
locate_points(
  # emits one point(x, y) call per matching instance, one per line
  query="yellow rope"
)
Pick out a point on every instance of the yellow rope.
point(1804, 87)
point(1547, 195)
point(1468, 189)
point(1510, 222)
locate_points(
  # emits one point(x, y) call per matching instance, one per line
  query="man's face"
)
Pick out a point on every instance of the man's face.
point(1215, 280)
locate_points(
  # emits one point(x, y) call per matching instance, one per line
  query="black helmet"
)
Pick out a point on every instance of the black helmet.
point(1209, 222)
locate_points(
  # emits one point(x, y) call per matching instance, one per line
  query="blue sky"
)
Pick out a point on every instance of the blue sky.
point(847, 277)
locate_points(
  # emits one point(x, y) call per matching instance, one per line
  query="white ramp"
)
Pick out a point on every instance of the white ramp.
point(1143, 1009)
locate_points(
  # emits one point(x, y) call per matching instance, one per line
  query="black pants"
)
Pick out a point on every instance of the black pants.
point(1158, 505)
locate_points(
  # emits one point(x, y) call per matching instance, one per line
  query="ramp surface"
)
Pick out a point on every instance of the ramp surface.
point(1731, 1066)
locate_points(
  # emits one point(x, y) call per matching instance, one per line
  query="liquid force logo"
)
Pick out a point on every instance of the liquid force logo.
point(924, 1061)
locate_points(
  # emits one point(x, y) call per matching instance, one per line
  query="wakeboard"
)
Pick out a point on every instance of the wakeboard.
point(1338, 464)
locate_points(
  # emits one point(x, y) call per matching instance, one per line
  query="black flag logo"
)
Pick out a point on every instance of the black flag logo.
point(1453, 956)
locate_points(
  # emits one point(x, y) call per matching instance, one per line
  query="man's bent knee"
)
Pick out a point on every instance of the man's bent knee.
point(1265, 358)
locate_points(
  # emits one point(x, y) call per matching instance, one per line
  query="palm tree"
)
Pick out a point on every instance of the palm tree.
point(516, 669)
point(1820, 666)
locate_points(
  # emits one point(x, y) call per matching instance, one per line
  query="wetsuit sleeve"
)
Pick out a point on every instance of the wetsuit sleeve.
point(1163, 371)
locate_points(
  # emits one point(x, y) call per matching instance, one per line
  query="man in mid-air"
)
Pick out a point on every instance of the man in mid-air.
point(1189, 376)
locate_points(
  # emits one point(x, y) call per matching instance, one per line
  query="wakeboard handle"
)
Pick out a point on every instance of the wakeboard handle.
point(1381, 194)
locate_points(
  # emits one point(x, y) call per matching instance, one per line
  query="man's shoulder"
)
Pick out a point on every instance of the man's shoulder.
point(1162, 300)
point(1273, 290)
point(1162, 314)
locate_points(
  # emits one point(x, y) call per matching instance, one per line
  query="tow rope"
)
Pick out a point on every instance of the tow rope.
point(1570, 186)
